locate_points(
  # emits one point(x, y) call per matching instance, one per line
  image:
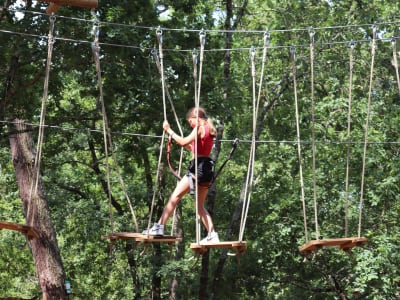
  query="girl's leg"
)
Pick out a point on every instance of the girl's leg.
point(203, 213)
point(181, 189)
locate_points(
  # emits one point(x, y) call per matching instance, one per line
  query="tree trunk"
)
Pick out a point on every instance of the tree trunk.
point(44, 249)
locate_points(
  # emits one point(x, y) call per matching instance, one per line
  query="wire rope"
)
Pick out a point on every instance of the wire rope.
point(142, 48)
point(186, 30)
point(373, 48)
point(242, 141)
point(293, 57)
point(351, 66)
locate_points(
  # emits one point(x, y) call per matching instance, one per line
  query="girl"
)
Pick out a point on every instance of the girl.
point(205, 131)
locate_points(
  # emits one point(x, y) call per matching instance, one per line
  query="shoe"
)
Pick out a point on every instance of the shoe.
point(212, 237)
point(157, 229)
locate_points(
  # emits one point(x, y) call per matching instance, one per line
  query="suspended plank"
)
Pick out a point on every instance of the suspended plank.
point(144, 238)
point(24, 229)
point(238, 247)
point(55, 4)
point(341, 243)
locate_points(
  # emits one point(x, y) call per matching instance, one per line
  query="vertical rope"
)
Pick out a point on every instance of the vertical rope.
point(346, 217)
point(202, 36)
point(196, 92)
point(106, 129)
point(293, 56)
point(96, 54)
point(158, 64)
point(160, 50)
point(39, 147)
point(371, 76)
point(256, 104)
point(395, 64)
point(159, 39)
point(250, 168)
point(317, 235)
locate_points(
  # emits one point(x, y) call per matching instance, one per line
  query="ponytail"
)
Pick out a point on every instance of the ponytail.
point(201, 113)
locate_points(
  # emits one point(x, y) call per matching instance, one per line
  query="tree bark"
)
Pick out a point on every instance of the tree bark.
point(45, 251)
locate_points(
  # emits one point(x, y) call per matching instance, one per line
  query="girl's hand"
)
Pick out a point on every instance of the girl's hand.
point(166, 126)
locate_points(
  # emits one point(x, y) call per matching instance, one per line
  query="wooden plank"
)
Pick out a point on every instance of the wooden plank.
point(24, 229)
point(239, 247)
point(139, 237)
point(79, 3)
point(342, 243)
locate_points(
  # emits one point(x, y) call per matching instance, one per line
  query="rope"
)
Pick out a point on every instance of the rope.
point(366, 128)
point(311, 32)
point(175, 173)
point(106, 129)
point(293, 56)
point(396, 65)
point(346, 217)
point(250, 167)
point(96, 55)
point(158, 64)
point(250, 170)
point(197, 104)
point(160, 49)
point(38, 156)
point(159, 39)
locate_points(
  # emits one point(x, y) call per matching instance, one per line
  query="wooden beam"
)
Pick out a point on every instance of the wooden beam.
point(79, 3)
point(24, 229)
point(54, 5)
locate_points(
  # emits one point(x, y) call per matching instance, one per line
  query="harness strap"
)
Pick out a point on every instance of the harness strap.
point(190, 179)
point(173, 171)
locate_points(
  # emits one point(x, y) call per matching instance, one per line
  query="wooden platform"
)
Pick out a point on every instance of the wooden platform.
point(341, 243)
point(238, 247)
point(144, 238)
point(54, 5)
point(24, 229)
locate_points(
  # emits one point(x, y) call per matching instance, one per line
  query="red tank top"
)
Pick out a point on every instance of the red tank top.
point(204, 144)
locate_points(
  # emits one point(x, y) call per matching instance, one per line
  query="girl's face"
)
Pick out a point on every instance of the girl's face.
point(192, 121)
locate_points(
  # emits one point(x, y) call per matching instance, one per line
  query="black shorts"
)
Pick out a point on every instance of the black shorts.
point(205, 169)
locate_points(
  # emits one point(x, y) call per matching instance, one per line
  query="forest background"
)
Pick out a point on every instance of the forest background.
point(317, 39)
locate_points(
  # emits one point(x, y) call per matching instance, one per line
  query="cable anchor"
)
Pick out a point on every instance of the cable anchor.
point(267, 36)
point(393, 41)
point(194, 56)
point(311, 32)
point(159, 35)
point(202, 36)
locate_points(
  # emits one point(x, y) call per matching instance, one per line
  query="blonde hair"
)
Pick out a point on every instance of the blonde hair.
point(201, 113)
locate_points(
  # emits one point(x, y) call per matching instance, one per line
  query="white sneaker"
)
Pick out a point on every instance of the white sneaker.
point(212, 237)
point(157, 229)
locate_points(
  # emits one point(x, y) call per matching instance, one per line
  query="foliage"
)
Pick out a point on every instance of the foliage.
point(74, 170)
